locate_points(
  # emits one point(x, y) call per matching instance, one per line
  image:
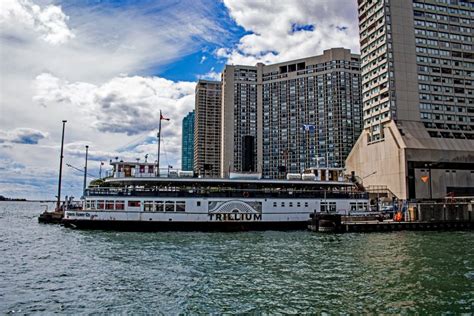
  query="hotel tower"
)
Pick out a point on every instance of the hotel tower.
point(417, 63)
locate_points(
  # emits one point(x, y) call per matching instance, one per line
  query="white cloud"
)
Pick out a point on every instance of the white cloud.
point(49, 22)
point(211, 75)
point(127, 105)
point(286, 30)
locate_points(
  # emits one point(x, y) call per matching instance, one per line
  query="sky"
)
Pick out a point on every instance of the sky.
point(109, 67)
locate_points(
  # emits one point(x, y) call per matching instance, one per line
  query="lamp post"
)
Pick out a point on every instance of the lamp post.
point(85, 172)
point(58, 203)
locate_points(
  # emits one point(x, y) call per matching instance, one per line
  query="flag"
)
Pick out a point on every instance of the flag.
point(309, 128)
point(163, 118)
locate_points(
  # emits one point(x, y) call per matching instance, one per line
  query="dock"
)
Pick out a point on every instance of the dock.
point(54, 217)
point(419, 217)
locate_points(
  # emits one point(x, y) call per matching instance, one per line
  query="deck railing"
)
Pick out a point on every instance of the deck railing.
point(225, 193)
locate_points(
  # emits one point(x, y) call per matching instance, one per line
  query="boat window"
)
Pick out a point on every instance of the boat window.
point(180, 206)
point(100, 205)
point(323, 207)
point(92, 204)
point(291, 204)
point(298, 204)
point(88, 205)
point(148, 206)
point(274, 204)
point(133, 203)
point(332, 206)
point(169, 206)
point(119, 205)
point(353, 206)
point(198, 203)
point(282, 204)
point(109, 205)
point(159, 206)
point(306, 204)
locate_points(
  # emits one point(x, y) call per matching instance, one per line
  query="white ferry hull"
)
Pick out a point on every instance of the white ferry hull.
point(200, 214)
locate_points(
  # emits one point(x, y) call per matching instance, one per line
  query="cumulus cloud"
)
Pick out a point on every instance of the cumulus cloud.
point(23, 135)
point(285, 30)
point(211, 75)
point(127, 105)
point(49, 22)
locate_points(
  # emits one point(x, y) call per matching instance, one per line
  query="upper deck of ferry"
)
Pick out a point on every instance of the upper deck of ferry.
point(141, 179)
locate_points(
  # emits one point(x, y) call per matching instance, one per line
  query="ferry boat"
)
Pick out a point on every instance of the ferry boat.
point(137, 198)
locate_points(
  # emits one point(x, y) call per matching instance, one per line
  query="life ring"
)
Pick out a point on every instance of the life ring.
point(245, 194)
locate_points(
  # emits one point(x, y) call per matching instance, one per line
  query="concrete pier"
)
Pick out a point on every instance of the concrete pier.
point(418, 217)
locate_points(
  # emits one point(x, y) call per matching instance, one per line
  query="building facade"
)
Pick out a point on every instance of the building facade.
point(207, 128)
point(287, 117)
point(418, 97)
point(187, 143)
point(239, 119)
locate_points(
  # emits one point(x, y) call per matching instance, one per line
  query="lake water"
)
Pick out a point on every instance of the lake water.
point(51, 269)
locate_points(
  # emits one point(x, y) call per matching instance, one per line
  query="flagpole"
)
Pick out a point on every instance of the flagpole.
point(159, 141)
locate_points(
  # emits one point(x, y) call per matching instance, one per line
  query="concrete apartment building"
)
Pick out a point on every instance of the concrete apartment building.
point(418, 97)
point(187, 143)
point(239, 119)
point(207, 128)
point(286, 117)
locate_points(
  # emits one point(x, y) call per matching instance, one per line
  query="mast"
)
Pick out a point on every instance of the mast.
point(58, 203)
point(159, 140)
point(85, 173)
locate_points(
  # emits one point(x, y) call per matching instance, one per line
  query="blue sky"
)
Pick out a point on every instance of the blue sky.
point(109, 67)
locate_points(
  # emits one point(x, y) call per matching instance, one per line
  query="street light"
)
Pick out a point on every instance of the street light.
point(60, 167)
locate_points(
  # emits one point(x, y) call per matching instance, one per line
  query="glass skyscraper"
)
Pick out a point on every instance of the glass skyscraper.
point(187, 149)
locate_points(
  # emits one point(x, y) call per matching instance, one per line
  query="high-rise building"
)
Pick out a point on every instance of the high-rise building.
point(187, 143)
point(207, 128)
point(418, 97)
point(286, 117)
point(239, 119)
